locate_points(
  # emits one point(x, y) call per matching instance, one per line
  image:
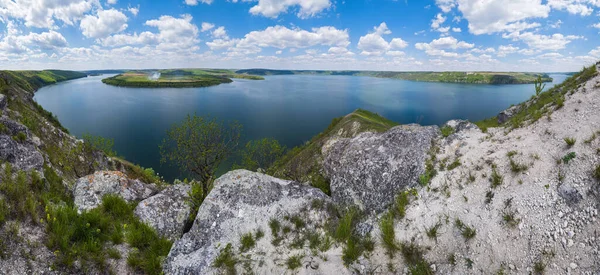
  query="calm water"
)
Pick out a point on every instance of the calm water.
point(290, 109)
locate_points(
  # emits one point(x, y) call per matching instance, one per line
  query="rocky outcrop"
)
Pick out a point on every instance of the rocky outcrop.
point(370, 169)
point(242, 202)
point(22, 154)
point(89, 190)
point(507, 114)
point(166, 211)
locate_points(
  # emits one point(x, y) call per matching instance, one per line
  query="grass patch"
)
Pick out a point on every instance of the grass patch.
point(509, 218)
point(388, 235)
point(447, 131)
point(591, 138)
point(597, 172)
point(496, 179)
point(226, 260)
point(454, 164)
point(432, 232)
point(466, 231)
point(20, 137)
point(570, 141)
point(413, 257)
point(568, 157)
point(345, 226)
point(247, 242)
point(516, 167)
point(294, 262)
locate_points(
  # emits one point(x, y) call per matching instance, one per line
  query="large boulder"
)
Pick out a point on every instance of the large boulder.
point(166, 211)
point(23, 155)
point(371, 169)
point(243, 202)
point(89, 190)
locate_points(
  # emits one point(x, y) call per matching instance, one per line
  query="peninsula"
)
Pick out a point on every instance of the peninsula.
point(177, 78)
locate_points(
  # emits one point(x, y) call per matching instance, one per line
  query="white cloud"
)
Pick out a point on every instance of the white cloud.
point(374, 44)
point(595, 52)
point(540, 42)
point(491, 16)
point(134, 10)
point(307, 8)
point(446, 5)
point(105, 22)
point(437, 21)
point(195, 2)
point(581, 7)
point(504, 50)
point(43, 13)
point(597, 26)
point(21, 46)
point(206, 26)
point(220, 32)
point(456, 30)
point(438, 47)
point(556, 24)
point(111, 2)
point(281, 37)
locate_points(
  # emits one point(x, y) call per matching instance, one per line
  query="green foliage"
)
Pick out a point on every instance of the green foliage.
point(198, 145)
point(516, 167)
point(402, 201)
point(247, 242)
point(597, 172)
point(275, 227)
point(20, 137)
point(539, 267)
point(432, 232)
point(260, 153)
point(466, 231)
point(150, 248)
point(496, 178)
point(454, 164)
point(196, 198)
point(570, 141)
point(510, 218)
point(539, 86)
point(98, 143)
point(345, 226)
point(142, 80)
point(321, 182)
point(413, 257)
point(294, 262)
point(226, 260)
point(447, 131)
point(388, 235)
point(4, 211)
point(568, 157)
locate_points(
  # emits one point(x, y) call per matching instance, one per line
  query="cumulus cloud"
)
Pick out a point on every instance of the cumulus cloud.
point(306, 9)
point(281, 37)
point(134, 10)
point(540, 42)
point(581, 7)
point(446, 5)
point(373, 43)
point(439, 47)
point(44, 13)
point(206, 26)
point(104, 23)
point(492, 16)
point(504, 50)
point(13, 43)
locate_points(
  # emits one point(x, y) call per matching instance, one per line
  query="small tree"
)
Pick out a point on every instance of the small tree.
point(539, 85)
point(97, 143)
point(261, 153)
point(198, 145)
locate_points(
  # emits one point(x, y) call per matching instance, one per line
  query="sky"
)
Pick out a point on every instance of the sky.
point(402, 35)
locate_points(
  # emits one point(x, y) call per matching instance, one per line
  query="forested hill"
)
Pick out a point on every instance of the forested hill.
point(446, 77)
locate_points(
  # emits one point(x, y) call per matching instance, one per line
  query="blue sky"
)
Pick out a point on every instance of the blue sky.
point(463, 35)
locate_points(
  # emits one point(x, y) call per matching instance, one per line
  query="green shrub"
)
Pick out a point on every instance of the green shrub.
point(570, 141)
point(98, 143)
point(321, 182)
point(352, 251)
point(275, 227)
point(516, 167)
point(260, 153)
point(151, 249)
point(454, 164)
point(4, 211)
point(413, 257)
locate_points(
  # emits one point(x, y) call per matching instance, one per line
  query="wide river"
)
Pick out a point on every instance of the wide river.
point(291, 109)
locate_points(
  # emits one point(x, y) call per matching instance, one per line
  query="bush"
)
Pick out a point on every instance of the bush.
point(413, 257)
point(447, 131)
point(568, 157)
point(345, 226)
point(98, 143)
point(247, 242)
point(226, 260)
point(20, 137)
point(260, 154)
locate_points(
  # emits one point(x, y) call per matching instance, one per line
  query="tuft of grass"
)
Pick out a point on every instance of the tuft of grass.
point(275, 227)
point(539, 267)
point(413, 257)
point(447, 131)
point(496, 178)
point(226, 260)
point(568, 157)
point(298, 222)
point(511, 154)
point(402, 201)
point(294, 262)
point(591, 138)
point(432, 232)
point(247, 242)
point(452, 258)
point(20, 137)
point(466, 231)
point(516, 167)
point(510, 218)
point(345, 226)
point(430, 172)
point(570, 141)
point(597, 172)
point(454, 164)
point(489, 195)
point(388, 235)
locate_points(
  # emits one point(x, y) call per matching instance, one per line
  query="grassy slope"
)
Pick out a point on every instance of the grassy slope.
point(179, 78)
point(543, 104)
point(448, 77)
point(303, 163)
point(31, 200)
